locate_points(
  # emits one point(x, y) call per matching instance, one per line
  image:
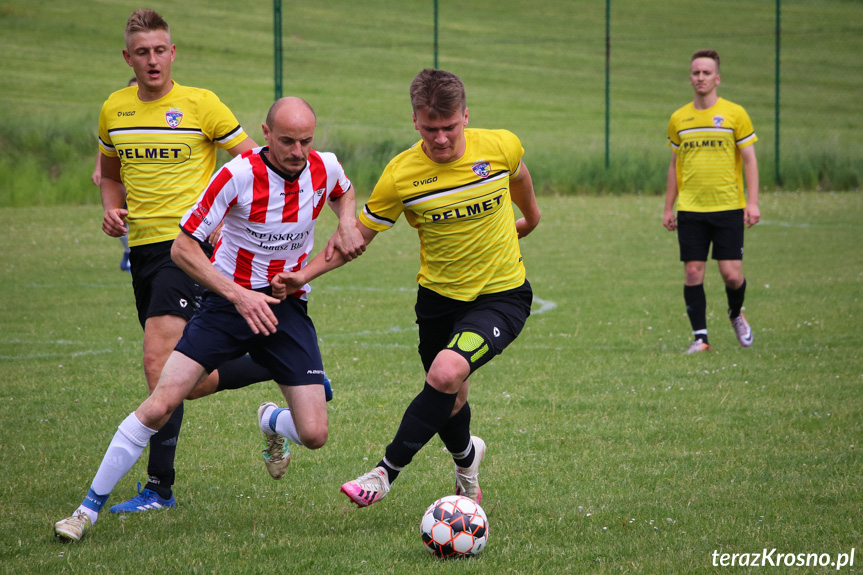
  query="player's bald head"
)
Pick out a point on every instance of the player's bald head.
point(291, 110)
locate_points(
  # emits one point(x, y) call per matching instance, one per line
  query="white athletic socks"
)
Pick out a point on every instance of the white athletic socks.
point(280, 420)
point(126, 447)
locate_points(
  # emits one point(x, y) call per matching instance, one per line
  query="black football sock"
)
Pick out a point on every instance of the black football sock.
point(735, 299)
point(456, 437)
point(163, 448)
point(426, 414)
point(696, 309)
point(240, 372)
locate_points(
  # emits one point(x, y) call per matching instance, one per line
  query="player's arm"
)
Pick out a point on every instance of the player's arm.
point(243, 146)
point(286, 283)
point(97, 170)
point(751, 214)
point(253, 306)
point(113, 194)
point(670, 194)
point(347, 238)
point(523, 195)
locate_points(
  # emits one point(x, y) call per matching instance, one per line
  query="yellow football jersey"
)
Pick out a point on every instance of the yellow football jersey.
point(709, 163)
point(167, 151)
point(462, 212)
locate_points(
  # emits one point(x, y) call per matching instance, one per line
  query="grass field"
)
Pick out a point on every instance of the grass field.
point(537, 69)
point(610, 451)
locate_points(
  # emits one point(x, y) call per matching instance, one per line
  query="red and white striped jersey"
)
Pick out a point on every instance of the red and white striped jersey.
point(269, 217)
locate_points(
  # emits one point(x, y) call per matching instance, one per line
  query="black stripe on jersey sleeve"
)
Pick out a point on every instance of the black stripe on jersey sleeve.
point(237, 129)
point(445, 190)
point(378, 217)
point(745, 138)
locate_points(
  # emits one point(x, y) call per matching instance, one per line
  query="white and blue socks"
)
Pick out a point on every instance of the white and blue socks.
point(126, 447)
point(279, 420)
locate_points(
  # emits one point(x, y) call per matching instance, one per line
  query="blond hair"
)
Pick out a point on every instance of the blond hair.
point(145, 20)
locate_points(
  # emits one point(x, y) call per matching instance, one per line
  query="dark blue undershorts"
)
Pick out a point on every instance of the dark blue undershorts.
point(218, 333)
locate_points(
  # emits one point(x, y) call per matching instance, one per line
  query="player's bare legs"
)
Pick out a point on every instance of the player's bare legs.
point(180, 375)
point(732, 273)
point(303, 422)
point(309, 410)
point(161, 334)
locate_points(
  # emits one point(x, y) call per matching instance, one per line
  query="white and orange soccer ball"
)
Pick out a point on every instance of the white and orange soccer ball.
point(454, 526)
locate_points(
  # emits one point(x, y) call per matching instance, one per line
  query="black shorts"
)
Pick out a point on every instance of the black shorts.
point(484, 326)
point(218, 333)
point(160, 286)
point(697, 230)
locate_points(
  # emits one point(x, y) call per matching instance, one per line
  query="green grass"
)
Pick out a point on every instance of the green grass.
point(537, 69)
point(610, 451)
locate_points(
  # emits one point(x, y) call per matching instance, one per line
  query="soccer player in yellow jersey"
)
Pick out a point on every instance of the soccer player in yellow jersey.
point(456, 187)
point(711, 140)
point(158, 145)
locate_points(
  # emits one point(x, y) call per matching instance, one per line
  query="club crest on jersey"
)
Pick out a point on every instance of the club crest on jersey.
point(717, 121)
point(173, 116)
point(481, 168)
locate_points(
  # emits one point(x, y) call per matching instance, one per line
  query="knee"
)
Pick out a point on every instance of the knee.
point(315, 439)
point(694, 274)
point(444, 378)
point(733, 279)
point(155, 412)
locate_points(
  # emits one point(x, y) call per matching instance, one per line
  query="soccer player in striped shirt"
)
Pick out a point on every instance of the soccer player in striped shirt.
point(711, 139)
point(158, 143)
point(269, 200)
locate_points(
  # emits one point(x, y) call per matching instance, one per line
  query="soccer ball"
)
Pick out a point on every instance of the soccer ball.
point(454, 526)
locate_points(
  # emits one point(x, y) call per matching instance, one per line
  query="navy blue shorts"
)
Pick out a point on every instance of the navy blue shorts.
point(697, 230)
point(477, 330)
point(160, 286)
point(218, 333)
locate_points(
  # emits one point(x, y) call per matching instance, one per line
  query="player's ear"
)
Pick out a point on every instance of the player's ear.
point(465, 116)
point(414, 116)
